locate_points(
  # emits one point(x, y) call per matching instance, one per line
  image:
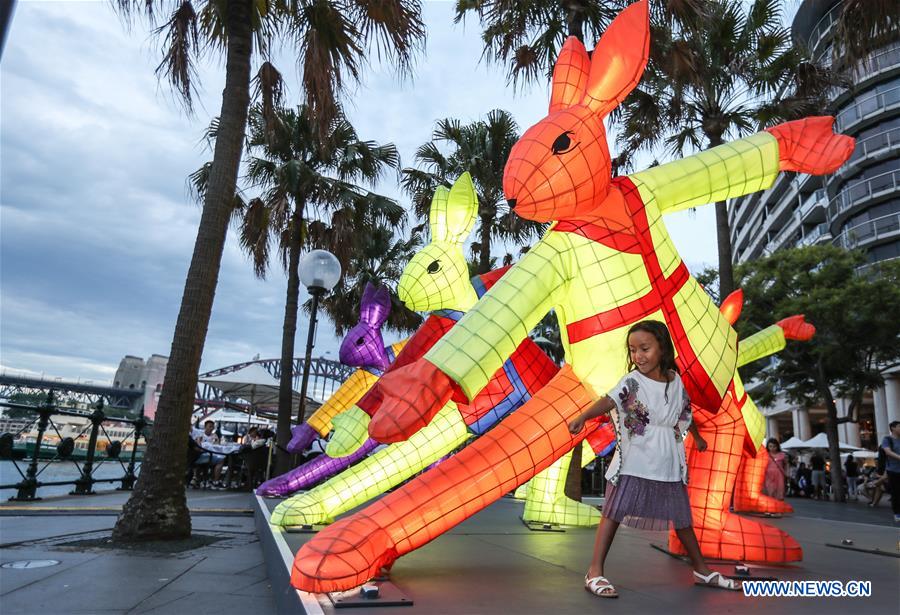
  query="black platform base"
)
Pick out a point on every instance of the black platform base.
point(388, 595)
point(537, 526)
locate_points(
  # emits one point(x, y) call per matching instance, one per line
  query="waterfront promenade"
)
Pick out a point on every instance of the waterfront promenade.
point(489, 564)
point(221, 570)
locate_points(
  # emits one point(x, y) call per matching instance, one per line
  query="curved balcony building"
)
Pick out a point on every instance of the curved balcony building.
point(858, 206)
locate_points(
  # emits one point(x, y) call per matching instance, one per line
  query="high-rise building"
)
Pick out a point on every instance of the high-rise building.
point(858, 206)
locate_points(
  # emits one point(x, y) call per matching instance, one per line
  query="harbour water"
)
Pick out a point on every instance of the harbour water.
point(56, 471)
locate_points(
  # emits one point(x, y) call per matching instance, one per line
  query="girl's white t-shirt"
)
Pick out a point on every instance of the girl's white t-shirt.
point(650, 421)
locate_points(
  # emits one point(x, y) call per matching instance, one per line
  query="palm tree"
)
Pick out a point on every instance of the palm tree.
point(716, 71)
point(306, 177)
point(527, 35)
point(725, 73)
point(379, 257)
point(481, 148)
point(330, 41)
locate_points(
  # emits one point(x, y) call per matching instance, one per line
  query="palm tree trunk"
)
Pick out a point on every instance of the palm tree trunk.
point(288, 335)
point(574, 18)
point(158, 508)
point(723, 237)
point(831, 430)
point(484, 257)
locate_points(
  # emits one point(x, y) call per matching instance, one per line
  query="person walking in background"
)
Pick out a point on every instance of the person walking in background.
point(891, 447)
point(817, 463)
point(776, 471)
point(873, 487)
point(851, 468)
point(804, 480)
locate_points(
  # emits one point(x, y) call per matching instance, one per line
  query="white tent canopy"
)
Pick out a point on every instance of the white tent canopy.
point(819, 441)
point(864, 454)
point(226, 415)
point(251, 383)
point(792, 443)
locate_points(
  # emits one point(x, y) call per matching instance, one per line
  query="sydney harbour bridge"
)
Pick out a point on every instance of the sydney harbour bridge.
point(325, 376)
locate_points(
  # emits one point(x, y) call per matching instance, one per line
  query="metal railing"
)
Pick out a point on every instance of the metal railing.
point(871, 269)
point(823, 27)
point(819, 198)
point(817, 233)
point(65, 447)
point(871, 105)
point(862, 191)
point(790, 228)
point(866, 69)
point(873, 144)
point(869, 231)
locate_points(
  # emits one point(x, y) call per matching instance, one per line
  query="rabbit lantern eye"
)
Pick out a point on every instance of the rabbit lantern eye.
point(361, 341)
point(434, 267)
point(563, 143)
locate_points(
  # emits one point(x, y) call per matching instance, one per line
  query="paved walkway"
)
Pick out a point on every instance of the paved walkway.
point(492, 564)
point(854, 511)
point(489, 564)
point(223, 577)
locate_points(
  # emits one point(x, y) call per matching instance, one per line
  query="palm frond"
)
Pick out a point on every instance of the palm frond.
point(255, 235)
point(181, 42)
point(864, 26)
point(268, 88)
point(198, 181)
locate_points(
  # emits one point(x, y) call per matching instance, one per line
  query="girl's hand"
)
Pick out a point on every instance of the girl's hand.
point(576, 426)
point(700, 443)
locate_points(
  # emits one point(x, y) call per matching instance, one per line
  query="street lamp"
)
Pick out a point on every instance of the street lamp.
point(319, 272)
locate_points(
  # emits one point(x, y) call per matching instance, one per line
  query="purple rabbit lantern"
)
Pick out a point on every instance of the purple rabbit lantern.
point(313, 472)
point(301, 437)
point(363, 345)
point(363, 348)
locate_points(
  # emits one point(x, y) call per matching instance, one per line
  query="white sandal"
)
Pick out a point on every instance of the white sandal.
point(716, 580)
point(600, 586)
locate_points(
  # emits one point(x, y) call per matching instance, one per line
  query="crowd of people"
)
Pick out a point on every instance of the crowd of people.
point(787, 475)
point(217, 461)
point(221, 460)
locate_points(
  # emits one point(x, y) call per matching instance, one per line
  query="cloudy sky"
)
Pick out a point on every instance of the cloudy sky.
point(96, 225)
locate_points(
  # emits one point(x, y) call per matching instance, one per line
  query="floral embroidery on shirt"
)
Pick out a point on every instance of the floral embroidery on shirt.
point(685, 407)
point(637, 416)
point(685, 418)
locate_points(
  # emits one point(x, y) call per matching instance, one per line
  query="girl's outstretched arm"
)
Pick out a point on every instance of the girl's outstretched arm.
point(602, 406)
point(698, 439)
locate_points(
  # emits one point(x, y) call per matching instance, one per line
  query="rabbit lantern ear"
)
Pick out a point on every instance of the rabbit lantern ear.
point(731, 306)
point(453, 212)
point(619, 59)
point(570, 75)
point(375, 305)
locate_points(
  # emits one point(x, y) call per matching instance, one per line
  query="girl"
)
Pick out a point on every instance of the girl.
point(776, 472)
point(648, 473)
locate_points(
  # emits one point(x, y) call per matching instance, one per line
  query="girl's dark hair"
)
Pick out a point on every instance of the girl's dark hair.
point(667, 358)
point(775, 442)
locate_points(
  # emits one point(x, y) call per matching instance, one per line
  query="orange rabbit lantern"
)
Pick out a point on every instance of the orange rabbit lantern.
point(606, 263)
